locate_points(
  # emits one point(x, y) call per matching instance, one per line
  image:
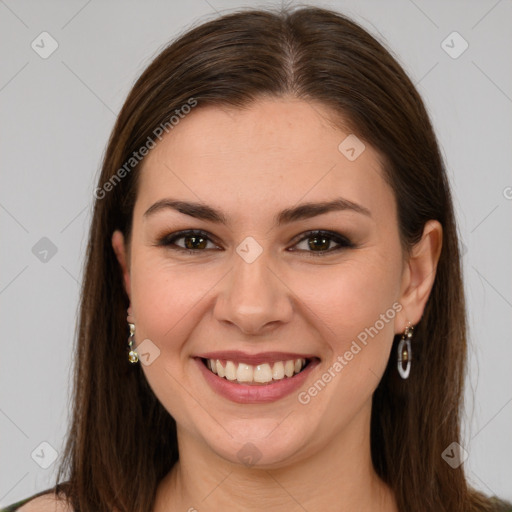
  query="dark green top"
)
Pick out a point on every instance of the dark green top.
point(501, 506)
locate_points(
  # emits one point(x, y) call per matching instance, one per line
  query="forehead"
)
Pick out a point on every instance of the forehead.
point(275, 152)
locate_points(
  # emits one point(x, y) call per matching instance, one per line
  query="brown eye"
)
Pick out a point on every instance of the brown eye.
point(194, 241)
point(319, 242)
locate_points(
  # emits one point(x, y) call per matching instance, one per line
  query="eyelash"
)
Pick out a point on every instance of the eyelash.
point(344, 243)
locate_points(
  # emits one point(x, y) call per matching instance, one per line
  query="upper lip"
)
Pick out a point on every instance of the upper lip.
point(253, 359)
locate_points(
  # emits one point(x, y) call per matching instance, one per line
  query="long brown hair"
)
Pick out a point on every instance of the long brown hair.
point(121, 440)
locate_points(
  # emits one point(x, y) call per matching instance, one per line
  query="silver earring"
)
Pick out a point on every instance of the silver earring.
point(133, 356)
point(405, 353)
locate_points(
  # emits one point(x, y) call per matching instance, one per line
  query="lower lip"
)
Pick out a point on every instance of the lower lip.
point(255, 394)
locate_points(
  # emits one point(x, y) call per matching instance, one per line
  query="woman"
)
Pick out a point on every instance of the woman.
point(272, 312)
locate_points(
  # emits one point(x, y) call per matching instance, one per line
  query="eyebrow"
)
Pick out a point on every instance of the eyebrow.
point(286, 216)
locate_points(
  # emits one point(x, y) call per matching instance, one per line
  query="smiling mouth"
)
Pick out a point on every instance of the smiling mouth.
point(259, 374)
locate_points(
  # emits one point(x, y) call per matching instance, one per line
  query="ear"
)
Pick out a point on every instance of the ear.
point(121, 251)
point(419, 274)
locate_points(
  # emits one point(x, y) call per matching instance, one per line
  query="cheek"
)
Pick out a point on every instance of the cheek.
point(350, 296)
point(354, 306)
point(166, 298)
point(354, 309)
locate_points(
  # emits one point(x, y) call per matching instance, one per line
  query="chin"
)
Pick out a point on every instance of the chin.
point(264, 444)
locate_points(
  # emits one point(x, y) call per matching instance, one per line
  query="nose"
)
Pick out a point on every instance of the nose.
point(254, 297)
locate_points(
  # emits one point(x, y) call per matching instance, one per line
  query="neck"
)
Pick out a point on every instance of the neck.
point(337, 476)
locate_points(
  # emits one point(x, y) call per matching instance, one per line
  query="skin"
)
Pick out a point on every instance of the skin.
point(251, 164)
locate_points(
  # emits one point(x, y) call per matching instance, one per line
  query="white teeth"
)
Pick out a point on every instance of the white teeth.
point(262, 373)
point(220, 369)
point(244, 373)
point(230, 370)
point(278, 371)
point(289, 368)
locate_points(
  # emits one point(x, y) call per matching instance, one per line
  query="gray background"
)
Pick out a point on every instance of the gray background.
point(57, 113)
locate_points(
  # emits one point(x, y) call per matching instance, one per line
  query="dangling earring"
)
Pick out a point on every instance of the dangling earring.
point(405, 352)
point(133, 356)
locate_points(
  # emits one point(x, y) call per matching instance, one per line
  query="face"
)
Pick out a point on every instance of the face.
point(258, 286)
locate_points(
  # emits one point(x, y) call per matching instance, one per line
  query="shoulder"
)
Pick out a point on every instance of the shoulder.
point(49, 502)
